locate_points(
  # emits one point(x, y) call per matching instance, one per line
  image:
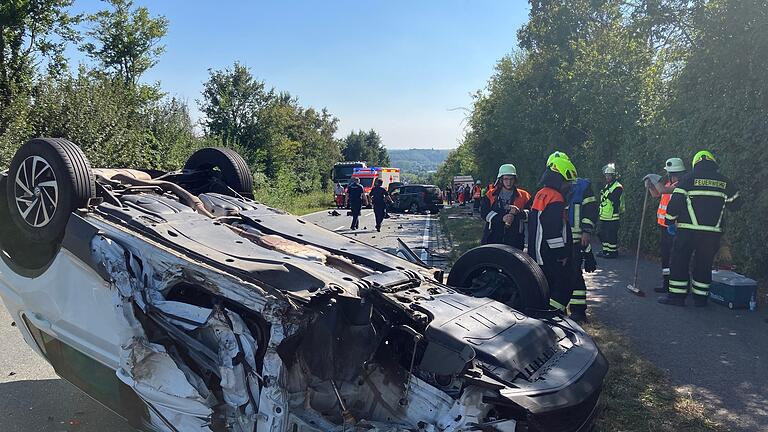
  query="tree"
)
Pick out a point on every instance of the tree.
point(232, 99)
point(126, 40)
point(278, 136)
point(30, 31)
point(365, 146)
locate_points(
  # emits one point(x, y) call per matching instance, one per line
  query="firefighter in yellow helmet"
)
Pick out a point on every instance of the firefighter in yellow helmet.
point(611, 207)
point(695, 216)
point(581, 206)
point(550, 241)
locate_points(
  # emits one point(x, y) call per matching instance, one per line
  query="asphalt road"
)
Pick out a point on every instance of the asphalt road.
point(34, 399)
point(717, 355)
point(419, 232)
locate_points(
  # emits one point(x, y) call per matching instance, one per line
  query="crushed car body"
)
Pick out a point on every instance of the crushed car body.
point(180, 303)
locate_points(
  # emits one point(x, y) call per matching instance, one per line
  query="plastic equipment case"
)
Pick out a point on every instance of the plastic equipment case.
point(732, 289)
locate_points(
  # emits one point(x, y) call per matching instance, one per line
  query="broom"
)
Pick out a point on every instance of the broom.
point(633, 288)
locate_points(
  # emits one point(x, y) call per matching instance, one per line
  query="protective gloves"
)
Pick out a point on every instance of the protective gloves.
point(590, 265)
point(672, 229)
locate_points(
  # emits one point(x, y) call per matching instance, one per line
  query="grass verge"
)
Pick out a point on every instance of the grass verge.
point(637, 395)
point(462, 231)
point(297, 204)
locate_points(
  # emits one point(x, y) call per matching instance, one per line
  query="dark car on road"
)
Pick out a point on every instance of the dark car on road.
point(394, 186)
point(417, 198)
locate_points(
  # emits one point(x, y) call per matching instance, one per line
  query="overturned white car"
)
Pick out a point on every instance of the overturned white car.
point(183, 305)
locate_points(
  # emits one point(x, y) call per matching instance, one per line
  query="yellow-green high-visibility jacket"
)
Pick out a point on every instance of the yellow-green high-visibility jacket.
point(611, 201)
point(700, 199)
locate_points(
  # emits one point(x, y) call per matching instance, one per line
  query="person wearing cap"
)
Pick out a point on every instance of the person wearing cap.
point(611, 207)
point(695, 216)
point(550, 241)
point(675, 170)
point(504, 208)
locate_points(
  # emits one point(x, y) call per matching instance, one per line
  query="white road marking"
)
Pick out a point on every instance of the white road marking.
point(341, 227)
point(425, 241)
point(368, 214)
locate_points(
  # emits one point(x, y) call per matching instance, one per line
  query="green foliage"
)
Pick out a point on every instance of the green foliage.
point(232, 99)
point(720, 103)
point(367, 147)
point(110, 121)
point(460, 161)
point(125, 40)
point(278, 136)
point(633, 83)
point(30, 31)
point(281, 193)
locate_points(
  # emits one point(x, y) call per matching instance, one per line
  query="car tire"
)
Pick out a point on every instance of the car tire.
point(503, 273)
point(234, 170)
point(48, 178)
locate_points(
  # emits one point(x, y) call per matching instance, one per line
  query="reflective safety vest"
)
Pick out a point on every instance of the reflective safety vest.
point(661, 213)
point(607, 212)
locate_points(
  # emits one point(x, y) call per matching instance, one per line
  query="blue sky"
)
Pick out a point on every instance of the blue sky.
point(394, 66)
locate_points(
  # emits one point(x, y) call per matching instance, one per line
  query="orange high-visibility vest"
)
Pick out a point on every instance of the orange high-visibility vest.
point(661, 213)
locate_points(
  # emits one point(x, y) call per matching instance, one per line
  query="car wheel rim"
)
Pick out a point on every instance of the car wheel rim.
point(36, 191)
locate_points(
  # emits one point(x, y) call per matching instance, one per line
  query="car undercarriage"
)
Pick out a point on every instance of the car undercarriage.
point(183, 305)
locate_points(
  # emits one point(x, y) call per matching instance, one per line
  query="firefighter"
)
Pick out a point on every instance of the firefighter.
point(611, 207)
point(356, 200)
point(582, 217)
point(675, 171)
point(379, 198)
point(504, 209)
point(550, 242)
point(477, 193)
point(695, 217)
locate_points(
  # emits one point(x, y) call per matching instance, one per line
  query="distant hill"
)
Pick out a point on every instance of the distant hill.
point(417, 162)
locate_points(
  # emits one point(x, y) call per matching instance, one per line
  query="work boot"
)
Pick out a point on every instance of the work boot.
point(672, 301)
point(579, 316)
point(700, 301)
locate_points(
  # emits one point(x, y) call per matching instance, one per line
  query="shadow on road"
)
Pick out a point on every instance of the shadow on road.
point(53, 405)
point(718, 356)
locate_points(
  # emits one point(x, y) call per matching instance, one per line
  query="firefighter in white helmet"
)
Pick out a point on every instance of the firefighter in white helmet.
point(504, 208)
point(611, 207)
point(675, 169)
